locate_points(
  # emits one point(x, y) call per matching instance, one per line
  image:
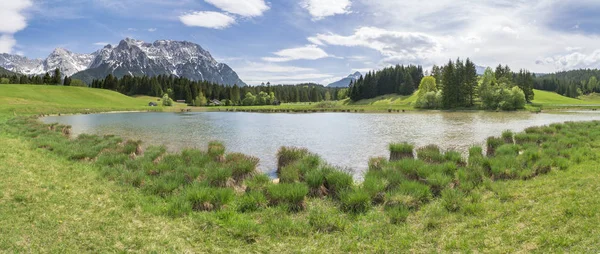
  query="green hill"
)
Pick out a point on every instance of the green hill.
point(551, 98)
point(27, 99)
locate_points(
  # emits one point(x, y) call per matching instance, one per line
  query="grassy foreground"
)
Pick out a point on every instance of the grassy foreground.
point(56, 200)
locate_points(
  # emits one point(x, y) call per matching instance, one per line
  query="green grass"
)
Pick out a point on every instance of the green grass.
point(550, 100)
point(52, 200)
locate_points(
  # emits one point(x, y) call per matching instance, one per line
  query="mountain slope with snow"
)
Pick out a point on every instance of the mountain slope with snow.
point(345, 82)
point(130, 57)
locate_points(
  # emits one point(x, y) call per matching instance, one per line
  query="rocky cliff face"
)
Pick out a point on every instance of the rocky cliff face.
point(130, 57)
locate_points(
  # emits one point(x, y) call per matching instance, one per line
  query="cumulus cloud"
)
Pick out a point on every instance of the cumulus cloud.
point(13, 20)
point(245, 8)
point(575, 60)
point(320, 9)
point(308, 52)
point(208, 19)
point(151, 30)
point(393, 45)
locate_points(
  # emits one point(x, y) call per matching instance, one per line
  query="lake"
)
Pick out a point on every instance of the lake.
point(345, 140)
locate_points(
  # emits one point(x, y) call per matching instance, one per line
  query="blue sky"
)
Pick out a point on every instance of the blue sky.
point(320, 41)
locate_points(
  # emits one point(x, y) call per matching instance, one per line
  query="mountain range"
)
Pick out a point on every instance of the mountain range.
point(130, 57)
point(345, 82)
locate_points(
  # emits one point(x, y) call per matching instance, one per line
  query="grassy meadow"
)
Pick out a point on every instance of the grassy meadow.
point(535, 191)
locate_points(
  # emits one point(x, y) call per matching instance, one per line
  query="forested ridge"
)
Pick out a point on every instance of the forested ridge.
point(572, 83)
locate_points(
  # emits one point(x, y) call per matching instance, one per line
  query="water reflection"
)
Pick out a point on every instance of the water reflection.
point(345, 140)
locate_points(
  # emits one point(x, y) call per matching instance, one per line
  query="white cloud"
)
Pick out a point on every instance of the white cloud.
point(131, 29)
point(320, 9)
point(575, 60)
point(246, 8)
point(151, 30)
point(101, 43)
point(12, 21)
point(393, 45)
point(207, 19)
point(254, 73)
point(7, 42)
point(308, 52)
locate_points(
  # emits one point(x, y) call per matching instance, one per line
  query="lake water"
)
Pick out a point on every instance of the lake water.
point(343, 139)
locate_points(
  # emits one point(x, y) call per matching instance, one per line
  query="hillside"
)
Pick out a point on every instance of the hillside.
point(5, 72)
point(554, 99)
point(23, 99)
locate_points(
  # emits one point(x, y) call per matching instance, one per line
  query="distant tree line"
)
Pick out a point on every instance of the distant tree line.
point(46, 79)
point(202, 92)
point(399, 79)
point(570, 83)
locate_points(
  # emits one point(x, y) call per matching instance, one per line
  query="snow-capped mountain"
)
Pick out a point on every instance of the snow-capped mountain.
point(68, 62)
point(130, 57)
point(21, 64)
point(345, 82)
point(163, 57)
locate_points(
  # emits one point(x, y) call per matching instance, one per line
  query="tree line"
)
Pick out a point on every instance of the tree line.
point(457, 85)
point(399, 79)
point(570, 83)
point(198, 92)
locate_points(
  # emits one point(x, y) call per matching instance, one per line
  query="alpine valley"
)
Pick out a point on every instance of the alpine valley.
point(130, 57)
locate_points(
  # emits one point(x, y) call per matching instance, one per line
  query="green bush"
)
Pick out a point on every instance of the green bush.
point(507, 150)
point(375, 186)
point(289, 173)
point(454, 157)
point(475, 151)
point(437, 182)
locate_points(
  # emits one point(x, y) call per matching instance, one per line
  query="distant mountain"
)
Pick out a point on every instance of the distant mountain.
point(345, 82)
point(6, 72)
point(480, 69)
point(130, 57)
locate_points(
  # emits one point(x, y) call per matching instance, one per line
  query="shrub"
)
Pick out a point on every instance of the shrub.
point(290, 194)
point(492, 144)
point(252, 201)
point(337, 181)
point(452, 199)
point(430, 154)
point(400, 151)
point(408, 167)
point(315, 180)
point(289, 155)
point(355, 201)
